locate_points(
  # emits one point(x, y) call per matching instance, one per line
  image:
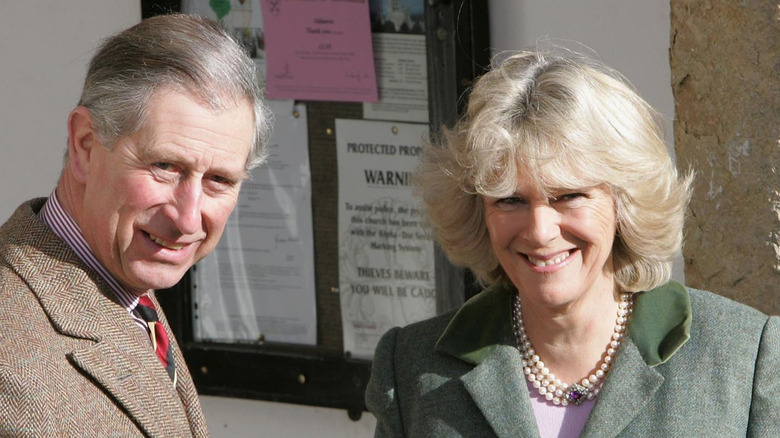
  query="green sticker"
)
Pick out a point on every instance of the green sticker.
point(220, 7)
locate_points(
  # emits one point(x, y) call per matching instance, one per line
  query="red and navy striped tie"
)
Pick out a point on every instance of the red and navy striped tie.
point(160, 341)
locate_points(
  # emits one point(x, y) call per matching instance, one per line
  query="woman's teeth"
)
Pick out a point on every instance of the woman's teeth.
point(543, 263)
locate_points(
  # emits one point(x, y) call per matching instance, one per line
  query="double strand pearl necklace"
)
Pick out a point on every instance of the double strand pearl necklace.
point(545, 382)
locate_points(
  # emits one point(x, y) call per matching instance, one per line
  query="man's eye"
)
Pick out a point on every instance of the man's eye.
point(221, 181)
point(165, 171)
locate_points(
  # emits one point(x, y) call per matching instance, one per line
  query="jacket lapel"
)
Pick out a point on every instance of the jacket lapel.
point(119, 359)
point(659, 327)
point(481, 334)
point(132, 385)
point(630, 386)
point(498, 389)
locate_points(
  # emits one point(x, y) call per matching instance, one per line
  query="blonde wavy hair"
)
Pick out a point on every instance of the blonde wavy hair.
point(566, 121)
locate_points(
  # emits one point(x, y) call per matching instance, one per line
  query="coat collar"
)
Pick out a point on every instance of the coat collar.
point(78, 305)
point(659, 326)
point(481, 334)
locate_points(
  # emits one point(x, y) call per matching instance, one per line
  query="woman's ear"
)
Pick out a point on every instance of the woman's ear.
point(82, 139)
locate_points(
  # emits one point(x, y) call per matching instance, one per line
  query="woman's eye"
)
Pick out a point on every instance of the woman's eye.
point(569, 196)
point(509, 202)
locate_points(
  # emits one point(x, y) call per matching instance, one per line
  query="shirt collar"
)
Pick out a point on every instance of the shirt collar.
point(63, 225)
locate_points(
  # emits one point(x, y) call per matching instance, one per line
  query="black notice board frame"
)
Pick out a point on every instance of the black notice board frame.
point(457, 43)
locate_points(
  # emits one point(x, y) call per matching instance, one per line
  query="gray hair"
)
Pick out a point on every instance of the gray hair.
point(180, 52)
point(567, 122)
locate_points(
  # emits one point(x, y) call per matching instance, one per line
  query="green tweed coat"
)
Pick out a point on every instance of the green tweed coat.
point(72, 361)
point(694, 365)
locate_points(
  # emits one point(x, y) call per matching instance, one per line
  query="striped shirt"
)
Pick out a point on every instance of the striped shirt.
point(66, 229)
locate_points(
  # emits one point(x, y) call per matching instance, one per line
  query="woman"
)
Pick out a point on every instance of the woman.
point(557, 191)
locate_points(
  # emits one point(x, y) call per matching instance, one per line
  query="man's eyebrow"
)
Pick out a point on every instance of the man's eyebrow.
point(241, 176)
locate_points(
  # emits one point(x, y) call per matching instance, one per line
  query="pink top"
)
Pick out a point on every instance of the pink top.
point(559, 421)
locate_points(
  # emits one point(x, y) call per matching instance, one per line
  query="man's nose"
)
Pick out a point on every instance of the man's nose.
point(187, 209)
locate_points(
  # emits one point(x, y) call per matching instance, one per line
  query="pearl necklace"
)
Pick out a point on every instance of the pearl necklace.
point(545, 382)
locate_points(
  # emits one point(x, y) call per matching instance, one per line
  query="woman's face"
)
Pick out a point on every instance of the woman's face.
point(557, 250)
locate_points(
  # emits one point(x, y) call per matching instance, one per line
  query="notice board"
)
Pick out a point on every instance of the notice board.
point(254, 359)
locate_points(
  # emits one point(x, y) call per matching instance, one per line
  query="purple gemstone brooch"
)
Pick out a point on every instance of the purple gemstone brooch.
point(576, 394)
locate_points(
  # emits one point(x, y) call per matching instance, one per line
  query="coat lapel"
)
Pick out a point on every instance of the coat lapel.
point(132, 385)
point(498, 389)
point(659, 327)
point(630, 386)
point(481, 335)
point(119, 358)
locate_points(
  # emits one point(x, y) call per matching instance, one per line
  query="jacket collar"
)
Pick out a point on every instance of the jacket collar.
point(659, 326)
point(481, 334)
point(78, 305)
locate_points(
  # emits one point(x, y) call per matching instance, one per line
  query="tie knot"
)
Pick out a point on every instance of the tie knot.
point(146, 309)
point(146, 301)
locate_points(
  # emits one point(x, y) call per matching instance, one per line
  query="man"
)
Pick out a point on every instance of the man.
point(169, 123)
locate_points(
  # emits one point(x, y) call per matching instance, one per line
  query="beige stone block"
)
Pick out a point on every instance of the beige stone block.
point(725, 63)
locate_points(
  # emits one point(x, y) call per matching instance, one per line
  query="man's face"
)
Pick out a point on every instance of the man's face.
point(158, 201)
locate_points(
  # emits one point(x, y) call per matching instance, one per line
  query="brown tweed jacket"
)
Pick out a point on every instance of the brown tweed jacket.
point(72, 361)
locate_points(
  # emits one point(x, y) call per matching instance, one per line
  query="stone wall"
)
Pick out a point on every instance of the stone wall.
point(725, 65)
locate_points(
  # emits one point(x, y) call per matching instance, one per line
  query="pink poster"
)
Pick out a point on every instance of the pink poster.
point(319, 50)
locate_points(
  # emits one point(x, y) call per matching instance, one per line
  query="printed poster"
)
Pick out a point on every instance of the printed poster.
point(258, 284)
point(400, 57)
point(386, 260)
point(319, 50)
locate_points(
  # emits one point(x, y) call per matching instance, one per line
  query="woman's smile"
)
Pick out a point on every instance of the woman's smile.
point(542, 262)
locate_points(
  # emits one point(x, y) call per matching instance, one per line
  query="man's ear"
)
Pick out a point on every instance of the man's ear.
point(82, 141)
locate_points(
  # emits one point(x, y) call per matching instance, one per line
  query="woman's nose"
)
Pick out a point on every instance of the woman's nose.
point(543, 225)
